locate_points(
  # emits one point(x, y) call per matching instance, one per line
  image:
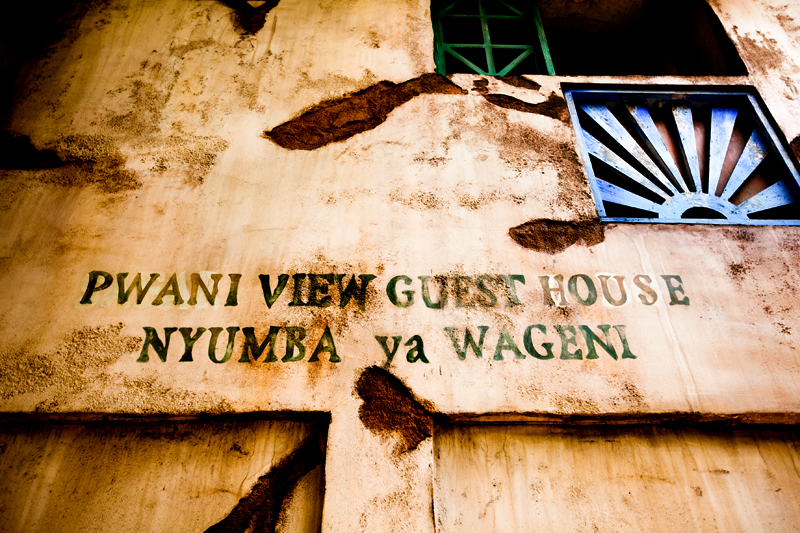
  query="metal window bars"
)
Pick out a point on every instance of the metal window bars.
point(491, 13)
point(684, 156)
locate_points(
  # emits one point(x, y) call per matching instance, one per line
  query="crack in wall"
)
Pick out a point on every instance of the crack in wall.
point(260, 510)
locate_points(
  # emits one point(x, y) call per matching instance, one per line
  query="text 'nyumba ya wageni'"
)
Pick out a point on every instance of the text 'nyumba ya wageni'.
point(357, 290)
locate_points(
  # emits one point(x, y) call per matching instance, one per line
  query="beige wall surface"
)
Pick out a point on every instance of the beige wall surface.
point(147, 120)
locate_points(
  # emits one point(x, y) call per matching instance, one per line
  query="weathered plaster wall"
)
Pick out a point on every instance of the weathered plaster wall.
point(154, 114)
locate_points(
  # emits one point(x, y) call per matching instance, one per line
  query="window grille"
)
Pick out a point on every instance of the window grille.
point(684, 156)
point(490, 37)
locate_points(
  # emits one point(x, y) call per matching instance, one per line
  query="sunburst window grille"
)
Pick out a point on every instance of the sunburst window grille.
point(684, 156)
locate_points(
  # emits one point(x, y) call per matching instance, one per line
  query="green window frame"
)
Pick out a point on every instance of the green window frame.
point(533, 43)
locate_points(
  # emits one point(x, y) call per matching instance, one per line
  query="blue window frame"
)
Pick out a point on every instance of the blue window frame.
point(684, 156)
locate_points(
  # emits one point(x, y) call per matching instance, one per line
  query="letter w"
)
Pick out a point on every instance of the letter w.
point(469, 341)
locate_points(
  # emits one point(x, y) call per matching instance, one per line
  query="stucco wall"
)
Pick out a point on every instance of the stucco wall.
point(149, 118)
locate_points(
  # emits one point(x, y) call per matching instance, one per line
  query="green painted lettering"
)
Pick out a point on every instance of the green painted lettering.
point(426, 297)
point(487, 298)
point(188, 341)
point(548, 346)
point(674, 286)
point(623, 295)
point(468, 342)
point(269, 296)
point(170, 289)
point(643, 282)
point(417, 353)
point(197, 283)
point(354, 290)
point(391, 292)
point(325, 345)
point(151, 339)
point(572, 284)
point(592, 338)
point(506, 342)
point(566, 341)
point(626, 351)
point(389, 353)
point(92, 286)
point(255, 350)
point(549, 291)
point(123, 295)
point(294, 338)
point(511, 289)
point(297, 294)
point(212, 344)
point(233, 291)
point(319, 284)
point(462, 290)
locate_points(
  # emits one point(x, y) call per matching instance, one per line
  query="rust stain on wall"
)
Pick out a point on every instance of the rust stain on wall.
point(390, 407)
point(554, 107)
point(260, 510)
point(341, 118)
point(248, 19)
point(555, 236)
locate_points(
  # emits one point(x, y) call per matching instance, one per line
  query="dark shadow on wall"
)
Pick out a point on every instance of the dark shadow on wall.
point(29, 31)
point(249, 17)
point(646, 38)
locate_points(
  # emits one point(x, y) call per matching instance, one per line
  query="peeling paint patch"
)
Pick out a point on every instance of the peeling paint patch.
point(261, 508)
point(249, 19)
point(554, 107)
point(341, 118)
point(795, 146)
point(520, 82)
point(390, 407)
point(555, 236)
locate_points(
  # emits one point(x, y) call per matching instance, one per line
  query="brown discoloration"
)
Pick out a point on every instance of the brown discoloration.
point(554, 107)
point(555, 236)
point(795, 146)
point(738, 270)
point(480, 86)
point(390, 407)
point(247, 19)
point(261, 508)
point(341, 118)
point(526, 149)
point(91, 160)
point(520, 82)
point(73, 366)
point(762, 54)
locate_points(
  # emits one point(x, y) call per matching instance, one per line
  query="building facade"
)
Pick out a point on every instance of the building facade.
point(347, 265)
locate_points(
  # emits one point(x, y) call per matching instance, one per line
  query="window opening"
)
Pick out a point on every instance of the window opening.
point(638, 37)
point(684, 157)
point(490, 37)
